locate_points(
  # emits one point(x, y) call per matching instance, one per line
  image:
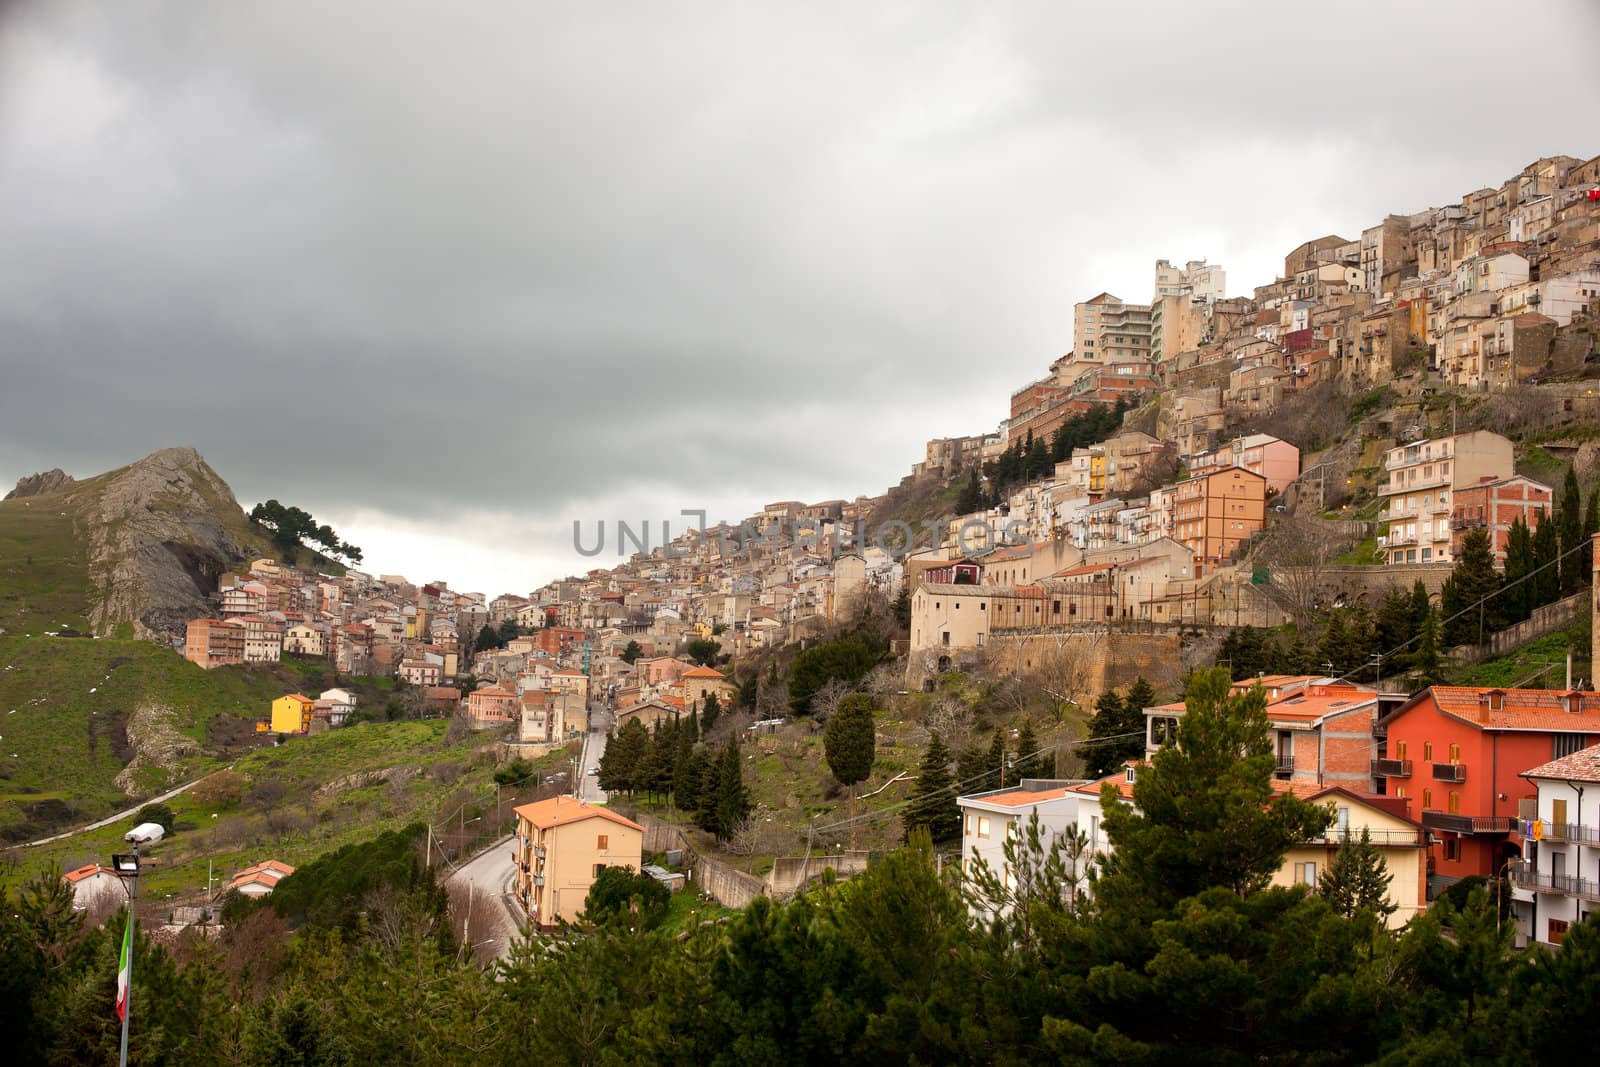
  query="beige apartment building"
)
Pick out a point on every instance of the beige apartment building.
point(562, 845)
point(1423, 478)
point(1105, 330)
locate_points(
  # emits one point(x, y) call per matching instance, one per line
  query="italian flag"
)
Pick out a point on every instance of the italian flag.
point(125, 971)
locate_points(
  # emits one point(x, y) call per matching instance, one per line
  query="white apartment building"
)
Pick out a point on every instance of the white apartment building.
point(1422, 479)
point(1557, 882)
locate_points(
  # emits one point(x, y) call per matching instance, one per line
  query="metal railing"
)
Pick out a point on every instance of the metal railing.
point(1449, 772)
point(1285, 764)
point(1525, 877)
point(1572, 833)
point(1468, 824)
point(1391, 768)
point(1334, 836)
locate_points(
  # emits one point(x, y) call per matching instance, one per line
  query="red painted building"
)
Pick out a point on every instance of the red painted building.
point(1495, 504)
point(1460, 754)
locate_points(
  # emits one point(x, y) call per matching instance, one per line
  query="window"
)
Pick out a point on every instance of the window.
point(1094, 832)
point(1558, 811)
point(968, 829)
point(1427, 800)
point(1427, 751)
point(1455, 802)
point(1455, 753)
point(1565, 745)
point(1557, 930)
point(1305, 873)
point(1452, 848)
point(598, 868)
point(602, 842)
point(983, 826)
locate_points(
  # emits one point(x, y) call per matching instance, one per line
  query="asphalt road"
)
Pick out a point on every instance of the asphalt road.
point(594, 746)
point(492, 873)
point(119, 816)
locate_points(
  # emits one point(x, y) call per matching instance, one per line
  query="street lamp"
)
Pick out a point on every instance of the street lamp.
point(126, 866)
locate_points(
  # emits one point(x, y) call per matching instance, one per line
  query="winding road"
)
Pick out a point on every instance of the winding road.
point(119, 816)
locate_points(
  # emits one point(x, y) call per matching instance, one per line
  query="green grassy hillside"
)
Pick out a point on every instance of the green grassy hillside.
point(67, 704)
point(44, 583)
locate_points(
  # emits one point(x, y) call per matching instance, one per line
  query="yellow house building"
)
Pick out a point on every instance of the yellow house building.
point(1401, 840)
point(562, 845)
point(291, 714)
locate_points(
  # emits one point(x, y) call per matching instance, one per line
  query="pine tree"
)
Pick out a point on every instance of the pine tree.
point(709, 713)
point(1421, 605)
point(1569, 526)
point(1030, 761)
point(849, 742)
point(1334, 648)
point(995, 763)
point(619, 763)
point(1114, 735)
point(932, 805)
point(1394, 620)
point(1474, 583)
point(733, 797)
point(631, 653)
point(1357, 879)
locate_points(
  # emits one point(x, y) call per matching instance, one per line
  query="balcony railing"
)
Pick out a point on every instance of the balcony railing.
point(1334, 836)
point(1285, 764)
point(1391, 768)
point(1449, 772)
point(1571, 833)
point(1468, 824)
point(1567, 885)
point(1465, 522)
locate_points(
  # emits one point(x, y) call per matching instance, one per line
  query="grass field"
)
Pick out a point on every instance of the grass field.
point(65, 707)
point(1540, 664)
point(43, 571)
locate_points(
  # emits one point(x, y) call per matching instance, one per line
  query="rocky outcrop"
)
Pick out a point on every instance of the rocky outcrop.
point(38, 484)
point(156, 743)
point(158, 534)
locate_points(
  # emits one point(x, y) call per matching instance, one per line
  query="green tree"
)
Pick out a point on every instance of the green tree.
point(1204, 812)
point(932, 804)
point(1030, 761)
point(1473, 585)
point(971, 498)
point(689, 769)
point(733, 796)
point(849, 741)
point(488, 638)
point(620, 761)
point(1522, 588)
point(1357, 879)
point(709, 712)
point(1591, 526)
point(1569, 526)
point(848, 658)
point(703, 650)
point(1116, 735)
point(1546, 552)
point(1425, 660)
point(631, 653)
point(625, 897)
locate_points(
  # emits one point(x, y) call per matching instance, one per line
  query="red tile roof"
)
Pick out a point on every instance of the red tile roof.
point(1580, 766)
point(558, 811)
point(1520, 709)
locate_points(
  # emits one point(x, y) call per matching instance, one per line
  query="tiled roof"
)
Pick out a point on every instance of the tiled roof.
point(1520, 709)
point(1020, 798)
point(558, 811)
point(86, 871)
point(705, 672)
point(1580, 766)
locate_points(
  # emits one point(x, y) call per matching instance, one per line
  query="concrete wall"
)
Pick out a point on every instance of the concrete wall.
point(1545, 620)
point(733, 888)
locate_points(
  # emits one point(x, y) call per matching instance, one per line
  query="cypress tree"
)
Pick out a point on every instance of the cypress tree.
point(1475, 584)
point(1521, 590)
point(1591, 526)
point(1546, 549)
point(733, 797)
point(1569, 519)
point(1030, 762)
point(995, 763)
point(709, 713)
point(687, 771)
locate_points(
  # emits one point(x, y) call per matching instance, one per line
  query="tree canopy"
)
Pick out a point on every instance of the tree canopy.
point(291, 526)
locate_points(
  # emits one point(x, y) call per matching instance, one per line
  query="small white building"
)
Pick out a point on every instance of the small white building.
point(93, 885)
point(1557, 881)
point(990, 819)
point(259, 880)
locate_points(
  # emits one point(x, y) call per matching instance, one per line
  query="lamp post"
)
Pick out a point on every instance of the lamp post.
point(126, 867)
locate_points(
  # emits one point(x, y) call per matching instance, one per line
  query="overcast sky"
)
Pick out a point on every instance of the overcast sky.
point(451, 277)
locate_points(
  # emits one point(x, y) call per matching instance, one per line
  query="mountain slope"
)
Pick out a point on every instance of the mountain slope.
point(136, 550)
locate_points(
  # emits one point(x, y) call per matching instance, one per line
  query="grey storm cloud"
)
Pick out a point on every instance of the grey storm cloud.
point(350, 250)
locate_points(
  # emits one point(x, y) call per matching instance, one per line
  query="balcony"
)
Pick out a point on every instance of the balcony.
point(1465, 522)
point(1391, 768)
point(1571, 833)
point(1449, 772)
point(1285, 766)
point(1566, 885)
point(1333, 837)
point(1468, 824)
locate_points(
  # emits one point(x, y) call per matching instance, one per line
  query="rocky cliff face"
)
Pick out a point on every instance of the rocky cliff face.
point(38, 484)
point(159, 534)
point(155, 536)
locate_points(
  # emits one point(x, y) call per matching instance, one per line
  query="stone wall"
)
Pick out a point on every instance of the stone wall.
point(733, 888)
point(1545, 620)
